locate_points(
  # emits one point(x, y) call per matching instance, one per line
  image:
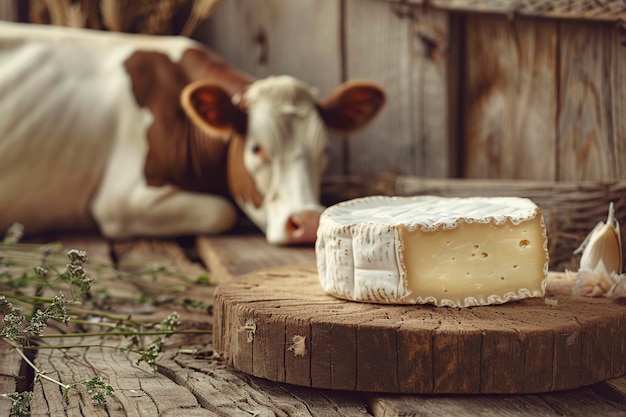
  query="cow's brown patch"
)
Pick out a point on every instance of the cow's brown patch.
point(179, 154)
point(153, 76)
point(240, 182)
point(202, 64)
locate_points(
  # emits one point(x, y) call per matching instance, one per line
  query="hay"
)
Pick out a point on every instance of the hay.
point(153, 17)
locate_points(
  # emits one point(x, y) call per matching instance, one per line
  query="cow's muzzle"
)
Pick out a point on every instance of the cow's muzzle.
point(302, 227)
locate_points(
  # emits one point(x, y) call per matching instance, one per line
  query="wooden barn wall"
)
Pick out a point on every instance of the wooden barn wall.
point(592, 122)
point(471, 95)
point(327, 42)
point(544, 99)
point(8, 10)
point(510, 98)
point(403, 49)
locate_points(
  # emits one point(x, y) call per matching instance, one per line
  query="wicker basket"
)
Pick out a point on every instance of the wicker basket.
point(611, 10)
point(571, 209)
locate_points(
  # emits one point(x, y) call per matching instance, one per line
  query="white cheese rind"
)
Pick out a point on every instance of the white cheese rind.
point(360, 248)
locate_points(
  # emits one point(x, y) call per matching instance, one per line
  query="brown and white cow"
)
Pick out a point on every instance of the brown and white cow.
point(147, 136)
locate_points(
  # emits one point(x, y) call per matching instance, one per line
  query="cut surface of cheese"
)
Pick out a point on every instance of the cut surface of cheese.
point(457, 252)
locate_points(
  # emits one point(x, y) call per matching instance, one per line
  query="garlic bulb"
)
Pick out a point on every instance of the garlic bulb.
point(618, 290)
point(600, 271)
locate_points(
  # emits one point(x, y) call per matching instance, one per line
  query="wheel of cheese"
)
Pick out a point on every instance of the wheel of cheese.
point(457, 252)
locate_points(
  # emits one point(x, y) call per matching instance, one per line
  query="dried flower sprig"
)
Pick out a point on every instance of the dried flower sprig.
point(22, 330)
point(98, 389)
point(21, 403)
point(14, 234)
point(95, 386)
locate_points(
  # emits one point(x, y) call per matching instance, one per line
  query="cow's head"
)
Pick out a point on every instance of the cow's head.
point(278, 142)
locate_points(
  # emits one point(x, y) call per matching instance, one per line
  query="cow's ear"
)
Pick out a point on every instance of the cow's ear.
point(212, 110)
point(352, 105)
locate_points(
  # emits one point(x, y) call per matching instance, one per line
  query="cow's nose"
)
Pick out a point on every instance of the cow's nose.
point(302, 227)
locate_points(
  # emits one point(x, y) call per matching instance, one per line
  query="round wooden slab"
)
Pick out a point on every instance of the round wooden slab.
point(278, 324)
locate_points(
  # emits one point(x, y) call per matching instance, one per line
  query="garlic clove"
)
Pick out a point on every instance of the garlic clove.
point(601, 259)
point(604, 247)
point(594, 283)
point(618, 290)
point(603, 243)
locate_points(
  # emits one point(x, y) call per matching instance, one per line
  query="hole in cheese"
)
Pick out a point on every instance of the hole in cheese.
point(457, 252)
point(443, 263)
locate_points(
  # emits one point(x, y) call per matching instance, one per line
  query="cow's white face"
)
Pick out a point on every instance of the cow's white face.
point(285, 155)
point(278, 150)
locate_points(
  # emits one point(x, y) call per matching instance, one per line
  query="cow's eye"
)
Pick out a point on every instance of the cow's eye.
point(259, 151)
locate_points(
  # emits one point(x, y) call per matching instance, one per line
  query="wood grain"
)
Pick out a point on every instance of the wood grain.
point(271, 37)
point(194, 381)
point(552, 405)
point(230, 393)
point(228, 256)
point(496, 349)
point(392, 405)
point(10, 363)
point(618, 91)
point(511, 98)
point(222, 390)
point(615, 389)
point(138, 391)
point(406, 51)
point(539, 98)
point(8, 10)
point(585, 123)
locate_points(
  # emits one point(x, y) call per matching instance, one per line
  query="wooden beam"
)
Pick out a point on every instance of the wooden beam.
point(8, 10)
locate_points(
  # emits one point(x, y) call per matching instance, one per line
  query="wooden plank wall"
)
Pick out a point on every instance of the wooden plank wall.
point(326, 42)
point(545, 99)
point(590, 81)
point(510, 101)
point(470, 95)
point(402, 48)
point(8, 10)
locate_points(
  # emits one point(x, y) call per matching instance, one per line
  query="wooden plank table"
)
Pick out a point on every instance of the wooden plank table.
point(191, 380)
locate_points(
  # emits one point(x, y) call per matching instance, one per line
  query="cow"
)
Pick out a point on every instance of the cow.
point(135, 135)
